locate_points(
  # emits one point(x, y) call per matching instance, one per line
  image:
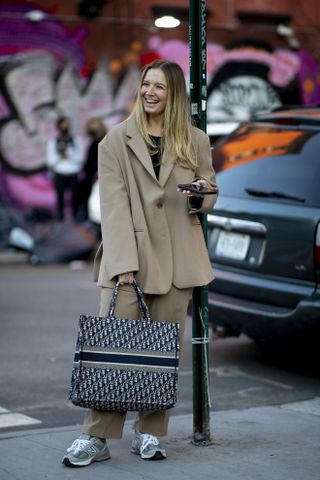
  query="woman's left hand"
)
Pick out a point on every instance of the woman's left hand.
point(201, 182)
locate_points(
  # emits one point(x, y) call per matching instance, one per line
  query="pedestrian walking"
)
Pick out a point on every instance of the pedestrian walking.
point(150, 232)
point(65, 160)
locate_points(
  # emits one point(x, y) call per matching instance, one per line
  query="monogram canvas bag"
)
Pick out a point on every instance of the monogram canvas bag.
point(125, 365)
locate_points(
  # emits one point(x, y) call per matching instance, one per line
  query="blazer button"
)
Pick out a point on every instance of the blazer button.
point(159, 204)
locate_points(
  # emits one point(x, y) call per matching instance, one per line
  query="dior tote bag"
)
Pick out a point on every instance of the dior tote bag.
point(125, 365)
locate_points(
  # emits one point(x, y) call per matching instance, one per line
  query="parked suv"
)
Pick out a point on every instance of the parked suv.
point(264, 233)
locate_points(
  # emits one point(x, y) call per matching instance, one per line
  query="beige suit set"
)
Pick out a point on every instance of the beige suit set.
point(151, 229)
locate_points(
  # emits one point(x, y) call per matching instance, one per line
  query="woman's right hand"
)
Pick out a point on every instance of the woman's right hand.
point(126, 278)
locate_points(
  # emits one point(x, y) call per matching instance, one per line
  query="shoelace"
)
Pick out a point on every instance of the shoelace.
point(77, 445)
point(148, 440)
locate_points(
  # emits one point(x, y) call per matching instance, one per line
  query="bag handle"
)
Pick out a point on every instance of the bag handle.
point(142, 304)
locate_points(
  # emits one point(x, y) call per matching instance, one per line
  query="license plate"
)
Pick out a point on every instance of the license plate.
point(232, 245)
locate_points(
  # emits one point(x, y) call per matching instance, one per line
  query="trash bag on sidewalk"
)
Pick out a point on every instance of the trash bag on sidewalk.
point(63, 242)
point(13, 230)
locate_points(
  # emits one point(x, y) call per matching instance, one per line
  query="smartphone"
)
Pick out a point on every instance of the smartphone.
point(198, 189)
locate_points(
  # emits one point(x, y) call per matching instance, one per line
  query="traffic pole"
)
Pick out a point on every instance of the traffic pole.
point(200, 336)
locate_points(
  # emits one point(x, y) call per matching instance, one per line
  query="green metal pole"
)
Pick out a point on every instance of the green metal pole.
point(198, 97)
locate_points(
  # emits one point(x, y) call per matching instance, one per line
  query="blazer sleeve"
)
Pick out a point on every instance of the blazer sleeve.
point(120, 254)
point(205, 172)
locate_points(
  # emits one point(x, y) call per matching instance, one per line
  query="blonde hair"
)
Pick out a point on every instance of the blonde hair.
point(97, 124)
point(177, 119)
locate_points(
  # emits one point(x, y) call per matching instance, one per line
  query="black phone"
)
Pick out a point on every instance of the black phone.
point(198, 189)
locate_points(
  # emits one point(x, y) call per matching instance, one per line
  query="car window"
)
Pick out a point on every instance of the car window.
point(258, 162)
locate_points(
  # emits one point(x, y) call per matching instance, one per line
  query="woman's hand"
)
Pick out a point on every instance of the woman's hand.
point(201, 182)
point(126, 278)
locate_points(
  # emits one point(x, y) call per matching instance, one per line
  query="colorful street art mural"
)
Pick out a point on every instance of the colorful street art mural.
point(249, 76)
point(43, 74)
point(41, 78)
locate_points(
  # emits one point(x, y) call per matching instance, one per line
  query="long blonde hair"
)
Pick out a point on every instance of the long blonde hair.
point(177, 118)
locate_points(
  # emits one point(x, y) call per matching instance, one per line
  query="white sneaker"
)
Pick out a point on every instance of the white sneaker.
point(147, 446)
point(85, 450)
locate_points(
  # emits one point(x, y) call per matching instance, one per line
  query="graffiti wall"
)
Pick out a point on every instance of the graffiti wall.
point(42, 75)
point(40, 79)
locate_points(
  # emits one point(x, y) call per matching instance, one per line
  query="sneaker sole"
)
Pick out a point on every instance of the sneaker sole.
point(84, 463)
point(158, 455)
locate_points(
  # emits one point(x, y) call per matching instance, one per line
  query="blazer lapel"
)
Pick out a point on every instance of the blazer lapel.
point(167, 165)
point(138, 146)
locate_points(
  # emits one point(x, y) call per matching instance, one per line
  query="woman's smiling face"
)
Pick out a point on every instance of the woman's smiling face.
point(154, 92)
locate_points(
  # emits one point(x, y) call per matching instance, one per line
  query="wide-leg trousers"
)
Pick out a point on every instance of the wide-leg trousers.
point(171, 307)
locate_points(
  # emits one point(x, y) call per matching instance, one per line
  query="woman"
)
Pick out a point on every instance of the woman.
point(65, 160)
point(96, 130)
point(150, 231)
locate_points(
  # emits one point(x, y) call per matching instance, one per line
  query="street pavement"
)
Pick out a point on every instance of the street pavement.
point(278, 443)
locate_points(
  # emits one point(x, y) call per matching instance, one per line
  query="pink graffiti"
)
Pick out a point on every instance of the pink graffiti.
point(284, 65)
point(37, 187)
point(309, 75)
point(174, 50)
point(18, 34)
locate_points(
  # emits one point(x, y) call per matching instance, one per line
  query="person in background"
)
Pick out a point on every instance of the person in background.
point(150, 232)
point(96, 130)
point(65, 160)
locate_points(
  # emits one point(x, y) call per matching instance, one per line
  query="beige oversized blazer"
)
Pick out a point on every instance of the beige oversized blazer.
point(147, 226)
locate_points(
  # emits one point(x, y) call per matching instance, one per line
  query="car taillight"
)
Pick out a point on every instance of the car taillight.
point(317, 248)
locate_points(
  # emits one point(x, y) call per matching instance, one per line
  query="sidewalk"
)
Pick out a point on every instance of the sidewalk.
point(278, 443)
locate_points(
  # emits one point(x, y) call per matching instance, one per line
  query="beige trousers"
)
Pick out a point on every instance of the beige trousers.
point(171, 307)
